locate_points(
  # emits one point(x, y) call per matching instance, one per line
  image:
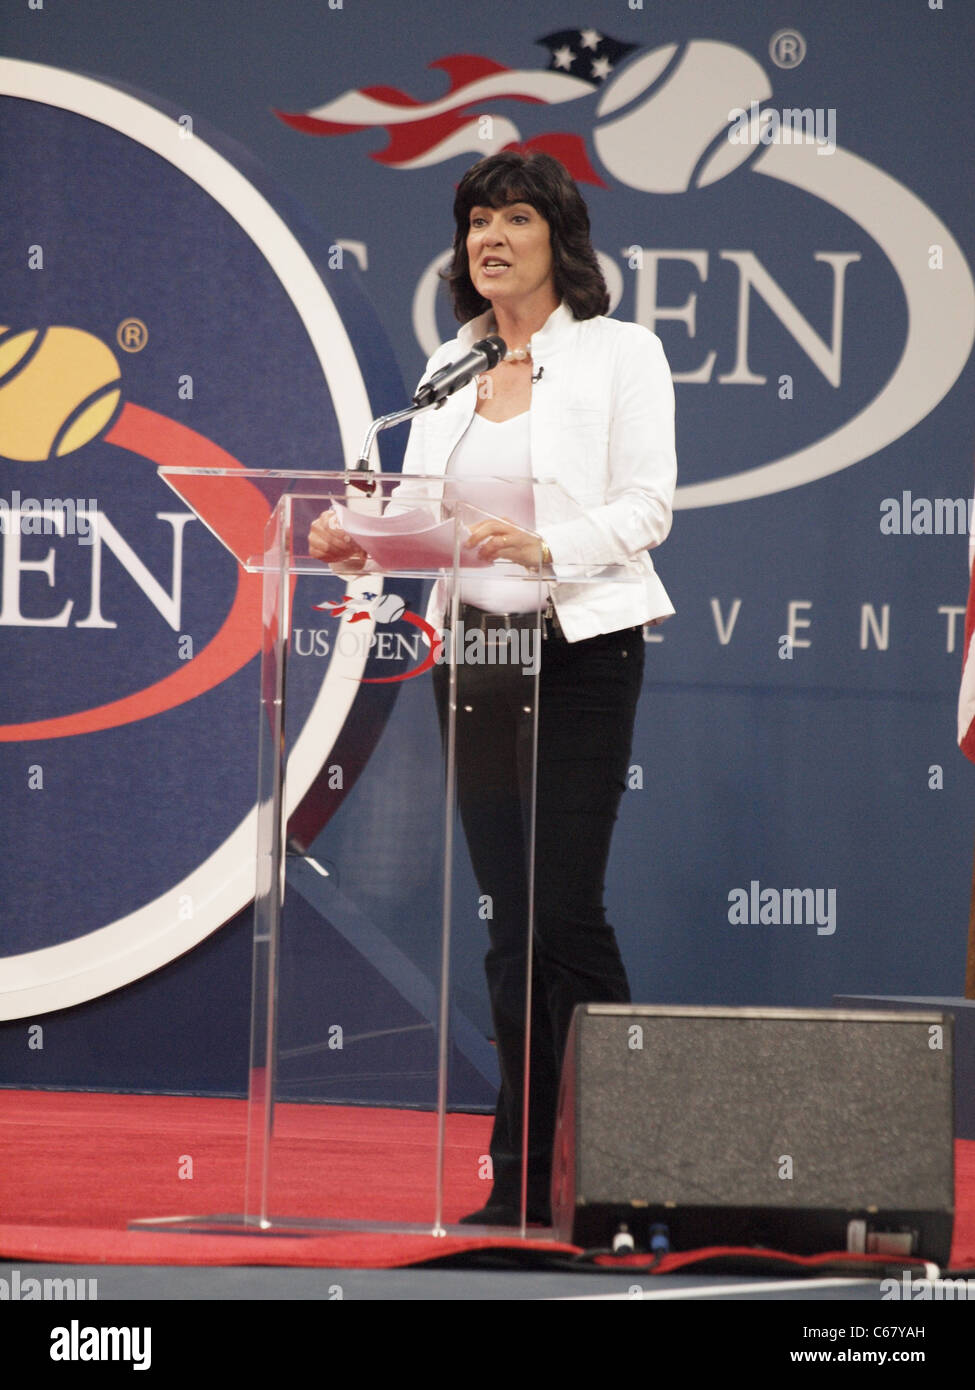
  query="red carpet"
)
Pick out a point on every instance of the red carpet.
point(75, 1168)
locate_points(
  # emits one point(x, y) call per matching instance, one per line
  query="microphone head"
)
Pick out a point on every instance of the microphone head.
point(494, 348)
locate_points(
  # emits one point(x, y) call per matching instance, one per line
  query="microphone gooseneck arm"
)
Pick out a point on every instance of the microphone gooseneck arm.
point(385, 422)
point(432, 393)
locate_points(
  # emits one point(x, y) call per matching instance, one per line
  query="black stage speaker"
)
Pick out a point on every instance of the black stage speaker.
point(803, 1130)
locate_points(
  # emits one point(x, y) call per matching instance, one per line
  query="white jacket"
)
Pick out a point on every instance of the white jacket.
point(602, 425)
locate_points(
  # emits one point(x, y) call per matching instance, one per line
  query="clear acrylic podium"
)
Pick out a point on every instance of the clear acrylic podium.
point(363, 888)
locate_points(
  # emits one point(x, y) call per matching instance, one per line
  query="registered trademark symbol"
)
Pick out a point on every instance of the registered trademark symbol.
point(787, 48)
point(132, 335)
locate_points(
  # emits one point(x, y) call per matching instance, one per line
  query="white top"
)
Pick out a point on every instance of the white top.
point(601, 422)
point(494, 449)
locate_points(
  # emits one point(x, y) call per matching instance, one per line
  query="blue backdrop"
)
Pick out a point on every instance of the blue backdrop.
point(815, 299)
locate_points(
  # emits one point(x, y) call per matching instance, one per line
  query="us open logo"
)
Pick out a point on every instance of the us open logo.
point(129, 636)
point(672, 136)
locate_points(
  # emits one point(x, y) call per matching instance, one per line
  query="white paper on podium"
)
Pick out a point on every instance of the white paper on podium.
point(407, 540)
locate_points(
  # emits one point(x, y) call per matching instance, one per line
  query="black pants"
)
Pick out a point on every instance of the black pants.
point(588, 694)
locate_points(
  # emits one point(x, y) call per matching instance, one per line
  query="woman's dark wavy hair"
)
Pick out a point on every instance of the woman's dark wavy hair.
point(545, 183)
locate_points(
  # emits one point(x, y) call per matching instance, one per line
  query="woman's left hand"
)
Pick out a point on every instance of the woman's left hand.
point(503, 540)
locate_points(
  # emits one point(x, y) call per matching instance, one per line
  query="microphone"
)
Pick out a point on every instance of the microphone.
point(482, 357)
point(538, 375)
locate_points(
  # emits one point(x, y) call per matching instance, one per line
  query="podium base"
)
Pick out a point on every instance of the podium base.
point(236, 1224)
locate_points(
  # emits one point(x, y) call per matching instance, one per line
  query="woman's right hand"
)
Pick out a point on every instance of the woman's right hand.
point(327, 541)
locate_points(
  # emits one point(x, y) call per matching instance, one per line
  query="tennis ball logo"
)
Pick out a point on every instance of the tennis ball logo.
point(665, 128)
point(59, 389)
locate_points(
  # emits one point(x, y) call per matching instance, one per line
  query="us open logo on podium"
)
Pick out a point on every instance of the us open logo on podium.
point(128, 713)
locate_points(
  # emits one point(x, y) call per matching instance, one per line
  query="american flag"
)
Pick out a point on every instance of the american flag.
point(423, 133)
point(966, 696)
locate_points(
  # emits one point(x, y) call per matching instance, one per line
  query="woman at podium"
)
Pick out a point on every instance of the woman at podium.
point(587, 401)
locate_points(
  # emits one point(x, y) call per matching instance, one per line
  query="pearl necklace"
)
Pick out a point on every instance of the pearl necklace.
point(518, 354)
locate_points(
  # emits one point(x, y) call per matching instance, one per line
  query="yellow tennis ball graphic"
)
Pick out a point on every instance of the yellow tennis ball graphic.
point(58, 389)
